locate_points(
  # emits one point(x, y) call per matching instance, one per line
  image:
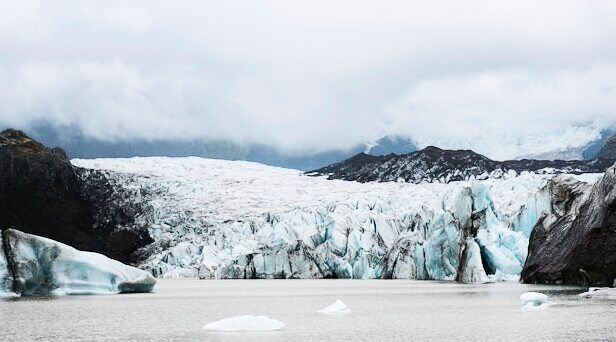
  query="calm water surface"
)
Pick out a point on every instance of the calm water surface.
point(382, 311)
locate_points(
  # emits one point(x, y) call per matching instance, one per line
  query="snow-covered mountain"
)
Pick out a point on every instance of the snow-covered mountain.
point(433, 164)
point(224, 219)
point(396, 144)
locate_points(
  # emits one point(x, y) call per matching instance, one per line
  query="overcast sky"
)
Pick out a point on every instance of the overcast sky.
point(504, 78)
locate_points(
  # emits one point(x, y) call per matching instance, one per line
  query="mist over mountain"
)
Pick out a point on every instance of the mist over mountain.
point(78, 145)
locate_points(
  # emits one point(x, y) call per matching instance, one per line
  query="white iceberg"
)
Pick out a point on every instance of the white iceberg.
point(245, 324)
point(534, 301)
point(338, 308)
point(608, 293)
point(42, 266)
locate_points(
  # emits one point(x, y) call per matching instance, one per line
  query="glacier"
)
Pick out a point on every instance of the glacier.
point(31, 265)
point(217, 219)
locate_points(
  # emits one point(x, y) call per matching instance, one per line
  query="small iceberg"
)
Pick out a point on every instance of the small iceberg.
point(534, 301)
point(245, 324)
point(608, 293)
point(338, 308)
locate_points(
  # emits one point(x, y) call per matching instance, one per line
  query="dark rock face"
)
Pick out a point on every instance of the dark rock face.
point(576, 243)
point(41, 194)
point(608, 150)
point(436, 165)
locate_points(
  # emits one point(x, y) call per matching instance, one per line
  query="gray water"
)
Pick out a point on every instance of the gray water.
point(381, 311)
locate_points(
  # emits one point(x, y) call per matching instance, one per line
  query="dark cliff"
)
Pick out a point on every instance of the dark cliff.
point(41, 194)
point(576, 243)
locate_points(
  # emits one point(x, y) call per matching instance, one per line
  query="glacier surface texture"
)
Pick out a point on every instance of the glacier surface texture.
point(231, 219)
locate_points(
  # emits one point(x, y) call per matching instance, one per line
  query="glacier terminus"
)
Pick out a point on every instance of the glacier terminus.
point(216, 219)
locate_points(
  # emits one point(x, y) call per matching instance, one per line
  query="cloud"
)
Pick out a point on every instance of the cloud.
point(311, 75)
point(510, 113)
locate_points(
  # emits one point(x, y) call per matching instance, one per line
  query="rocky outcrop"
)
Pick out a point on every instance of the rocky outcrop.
point(31, 265)
point(576, 242)
point(433, 164)
point(41, 193)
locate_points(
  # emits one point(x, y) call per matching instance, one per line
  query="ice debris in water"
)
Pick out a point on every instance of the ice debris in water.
point(534, 301)
point(338, 308)
point(246, 323)
point(600, 293)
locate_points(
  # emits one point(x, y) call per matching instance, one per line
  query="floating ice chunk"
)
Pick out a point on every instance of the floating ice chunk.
point(338, 308)
point(245, 324)
point(44, 266)
point(530, 306)
point(533, 298)
point(600, 293)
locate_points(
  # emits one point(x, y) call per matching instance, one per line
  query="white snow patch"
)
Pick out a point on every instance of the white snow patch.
point(246, 323)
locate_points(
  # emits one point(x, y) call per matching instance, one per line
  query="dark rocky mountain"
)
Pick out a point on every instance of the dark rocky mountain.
point(78, 145)
point(41, 193)
point(576, 242)
point(433, 164)
point(591, 150)
point(608, 150)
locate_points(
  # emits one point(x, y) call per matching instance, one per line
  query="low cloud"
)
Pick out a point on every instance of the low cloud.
point(504, 80)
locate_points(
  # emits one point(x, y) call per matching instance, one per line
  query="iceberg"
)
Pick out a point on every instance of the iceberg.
point(245, 324)
point(533, 300)
point(40, 266)
point(6, 278)
point(338, 308)
point(602, 293)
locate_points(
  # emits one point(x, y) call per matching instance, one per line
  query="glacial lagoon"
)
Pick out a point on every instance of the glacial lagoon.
point(382, 310)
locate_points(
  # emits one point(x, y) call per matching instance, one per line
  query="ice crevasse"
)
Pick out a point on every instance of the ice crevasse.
point(222, 219)
point(463, 240)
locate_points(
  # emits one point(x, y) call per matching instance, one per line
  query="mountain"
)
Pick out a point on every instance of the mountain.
point(396, 144)
point(42, 193)
point(592, 149)
point(608, 150)
point(433, 164)
point(569, 151)
point(188, 217)
point(77, 145)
